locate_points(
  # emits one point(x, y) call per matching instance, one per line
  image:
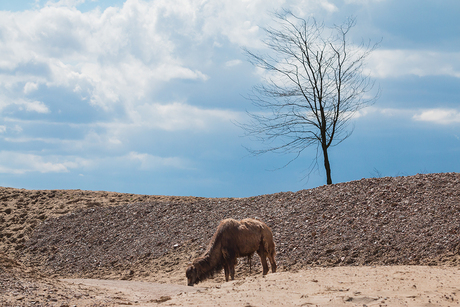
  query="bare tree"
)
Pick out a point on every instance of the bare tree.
point(314, 84)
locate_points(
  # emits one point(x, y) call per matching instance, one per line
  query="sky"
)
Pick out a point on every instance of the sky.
point(142, 96)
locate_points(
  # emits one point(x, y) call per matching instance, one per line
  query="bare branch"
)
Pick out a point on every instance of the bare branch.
point(315, 84)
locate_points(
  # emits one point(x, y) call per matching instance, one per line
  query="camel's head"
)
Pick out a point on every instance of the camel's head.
point(192, 275)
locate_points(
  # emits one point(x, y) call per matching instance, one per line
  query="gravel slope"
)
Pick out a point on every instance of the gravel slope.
point(377, 221)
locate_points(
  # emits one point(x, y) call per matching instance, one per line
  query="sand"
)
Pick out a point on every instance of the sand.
point(331, 286)
point(339, 286)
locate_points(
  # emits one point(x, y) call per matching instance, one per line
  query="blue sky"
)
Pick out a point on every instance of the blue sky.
point(141, 96)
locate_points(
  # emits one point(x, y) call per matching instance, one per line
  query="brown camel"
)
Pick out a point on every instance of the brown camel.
point(231, 240)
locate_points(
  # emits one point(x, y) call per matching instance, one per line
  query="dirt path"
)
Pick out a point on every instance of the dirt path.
point(338, 286)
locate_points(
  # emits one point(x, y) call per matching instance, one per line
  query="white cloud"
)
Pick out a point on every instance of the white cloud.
point(180, 116)
point(362, 1)
point(31, 139)
point(17, 129)
point(35, 106)
point(439, 116)
point(149, 162)
point(240, 21)
point(117, 60)
point(30, 87)
point(110, 57)
point(436, 115)
point(329, 7)
point(20, 163)
point(68, 3)
point(387, 112)
point(233, 63)
point(121, 55)
point(23, 104)
point(395, 63)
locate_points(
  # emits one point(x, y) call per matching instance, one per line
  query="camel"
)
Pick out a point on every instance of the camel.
point(231, 240)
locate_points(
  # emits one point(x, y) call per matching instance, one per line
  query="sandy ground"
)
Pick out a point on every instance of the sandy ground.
point(338, 286)
point(133, 292)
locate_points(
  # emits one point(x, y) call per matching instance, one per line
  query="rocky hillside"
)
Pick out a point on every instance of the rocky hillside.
point(377, 221)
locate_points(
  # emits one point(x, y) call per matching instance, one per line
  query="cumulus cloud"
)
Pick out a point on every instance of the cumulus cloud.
point(120, 55)
point(240, 21)
point(107, 56)
point(395, 63)
point(114, 62)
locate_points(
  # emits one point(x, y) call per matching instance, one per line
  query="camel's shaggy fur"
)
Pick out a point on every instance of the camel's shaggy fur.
point(233, 239)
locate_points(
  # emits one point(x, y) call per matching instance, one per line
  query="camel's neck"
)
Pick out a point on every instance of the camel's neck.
point(210, 262)
point(213, 255)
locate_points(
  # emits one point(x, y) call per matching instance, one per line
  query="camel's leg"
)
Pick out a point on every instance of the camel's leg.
point(226, 270)
point(232, 269)
point(250, 263)
point(271, 257)
point(263, 258)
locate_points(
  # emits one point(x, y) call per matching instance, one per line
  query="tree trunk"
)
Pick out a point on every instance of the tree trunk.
point(327, 166)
